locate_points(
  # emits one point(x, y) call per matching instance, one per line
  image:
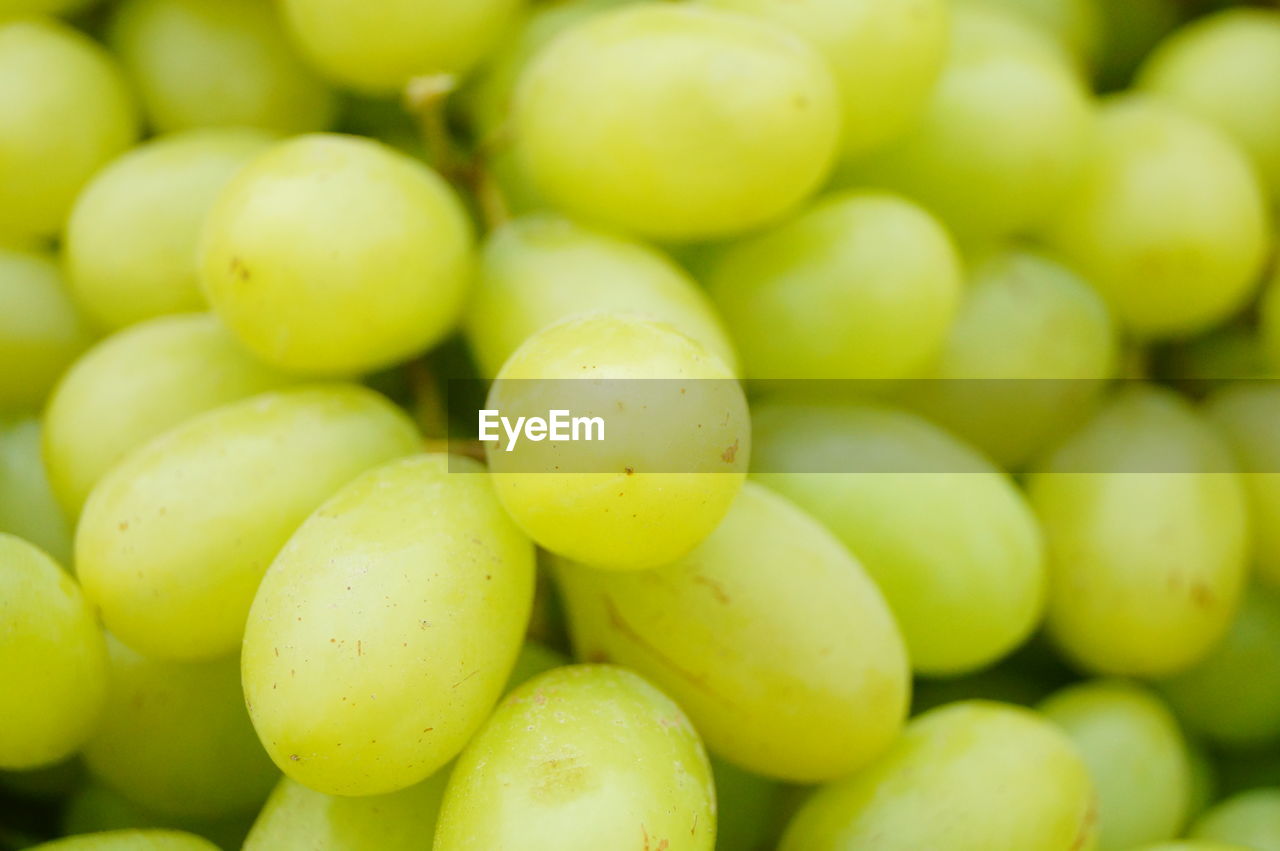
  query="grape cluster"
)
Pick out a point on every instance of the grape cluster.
point(935, 504)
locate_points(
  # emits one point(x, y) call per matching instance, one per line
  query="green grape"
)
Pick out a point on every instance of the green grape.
point(1136, 758)
point(696, 152)
point(947, 537)
point(129, 840)
point(1232, 696)
point(1247, 415)
point(136, 385)
point(1167, 220)
point(1250, 819)
point(540, 269)
point(768, 624)
point(333, 254)
point(534, 659)
point(1146, 527)
point(973, 776)
point(175, 738)
point(750, 810)
point(41, 332)
point(859, 286)
point(975, 157)
point(296, 818)
point(886, 56)
point(581, 758)
point(489, 96)
point(1226, 69)
point(132, 236)
point(1023, 361)
point(28, 508)
point(379, 50)
point(217, 63)
point(385, 630)
point(174, 540)
point(52, 661)
point(67, 112)
point(95, 808)
point(1077, 24)
point(660, 482)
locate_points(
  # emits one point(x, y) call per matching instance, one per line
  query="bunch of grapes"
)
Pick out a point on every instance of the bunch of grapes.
point(916, 485)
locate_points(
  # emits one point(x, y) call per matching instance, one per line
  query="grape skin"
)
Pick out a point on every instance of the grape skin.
point(137, 384)
point(335, 255)
point(67, 112)
point(695, 153)
point(28, 508)
point(386, 628)
point(130, 840)
point(768, 623)
point(52, 660)
point(674, 481)
point(173, 541)
point(1136, 756)
point(217, 63)
point(579, 759)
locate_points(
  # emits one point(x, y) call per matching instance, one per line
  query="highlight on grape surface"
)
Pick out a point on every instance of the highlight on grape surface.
point(639, 425)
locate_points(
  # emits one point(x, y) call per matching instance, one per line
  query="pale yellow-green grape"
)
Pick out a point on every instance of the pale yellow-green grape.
point(380, 48)
point(946, 536)
point(52, 661)
point(296, 818)
point(333, 254)
point(1136, 758)
point(137, 384)
point(534, 659)
point(972, 776)
point(130, 840)
point(385, 630)
point(581, 758)
point(174, 540)
point(95, 807)
point(767, 625)
point(862, 285)
point(540, 269)
point(675, 448)
point(67, 112)
point(1232, 696)
point(41, 331)
point(175, 738)
point(1002, 137)
point(1024, 360)
point(1077, 24)
point(698, 151)
point(1247, 414)
point(886, 56)
point(28, 507)
point(1147, 531)
point(751, 810)
point(217, 63)
point(131, 242)
point(1250, 819)
point(489, 96)
point(1167, 220)
point(1226, 69)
